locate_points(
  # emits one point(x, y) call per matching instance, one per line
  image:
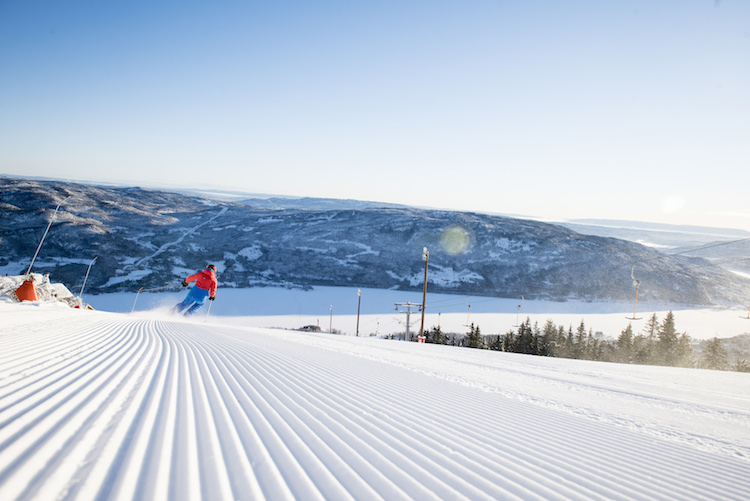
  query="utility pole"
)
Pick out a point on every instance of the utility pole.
point(330, 325)
point(426, 259)
point(359, 303)
point(408, 307)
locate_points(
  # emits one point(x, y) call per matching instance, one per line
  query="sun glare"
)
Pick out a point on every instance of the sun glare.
point(455, 239)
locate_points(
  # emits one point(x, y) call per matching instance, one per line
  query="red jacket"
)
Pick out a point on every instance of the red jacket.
point(206, 280)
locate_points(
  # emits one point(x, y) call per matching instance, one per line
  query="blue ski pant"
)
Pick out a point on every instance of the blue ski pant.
point(194, 300)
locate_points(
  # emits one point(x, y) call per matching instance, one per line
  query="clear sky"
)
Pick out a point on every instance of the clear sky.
point(552, 109)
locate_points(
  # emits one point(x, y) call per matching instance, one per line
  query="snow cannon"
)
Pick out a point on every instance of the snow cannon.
point(27, 291)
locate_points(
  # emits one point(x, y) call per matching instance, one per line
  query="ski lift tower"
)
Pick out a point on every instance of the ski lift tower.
point(407, 309)
point(518, 313)
point(637, 285)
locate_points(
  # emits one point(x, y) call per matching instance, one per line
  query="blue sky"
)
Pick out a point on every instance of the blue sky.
point(551, 109)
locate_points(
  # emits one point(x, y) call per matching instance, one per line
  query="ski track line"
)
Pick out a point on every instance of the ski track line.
point(22, 349)
point(675, 463)
point(284, 447)
point(340, 454)
point(302, 377)
point(50, 432)
point(469, 373)
point(396, 436)
point(319, 397)
point(226, 375)
point(133, 408)
point(40, 378)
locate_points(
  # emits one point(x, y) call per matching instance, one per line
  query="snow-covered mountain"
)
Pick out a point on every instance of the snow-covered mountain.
point(146, 238)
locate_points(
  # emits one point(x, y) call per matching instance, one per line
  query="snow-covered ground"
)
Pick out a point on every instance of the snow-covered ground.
point(336, 308)
point(101, 405)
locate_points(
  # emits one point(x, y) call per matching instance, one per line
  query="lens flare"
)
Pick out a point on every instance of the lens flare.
point(455, 239)
point(672, 204)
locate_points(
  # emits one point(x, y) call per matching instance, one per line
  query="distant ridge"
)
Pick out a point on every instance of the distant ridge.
point(147, 238)
point(641, 225)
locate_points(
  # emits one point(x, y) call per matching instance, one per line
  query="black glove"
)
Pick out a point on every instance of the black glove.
point(212, 298)
point(184, 283)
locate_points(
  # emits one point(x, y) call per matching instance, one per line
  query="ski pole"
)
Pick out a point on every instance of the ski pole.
point(147, 290)
point(209, 309)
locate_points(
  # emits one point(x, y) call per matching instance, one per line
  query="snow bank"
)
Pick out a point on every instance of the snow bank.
point(46, 290)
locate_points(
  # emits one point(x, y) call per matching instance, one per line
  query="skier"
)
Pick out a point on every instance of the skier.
point(205, 287)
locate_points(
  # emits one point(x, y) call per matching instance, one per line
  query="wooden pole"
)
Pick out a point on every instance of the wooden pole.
point(426, 257)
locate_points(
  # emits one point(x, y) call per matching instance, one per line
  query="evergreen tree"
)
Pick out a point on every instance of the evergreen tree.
point(496, 343)
point(509, 342)
point(579, 348)
point(643, 350)
point(596, 348)
point(591, 349)
point(525, 342)
point(714, 356)
point(474, 338)
point(568, 343)
point(684, 352)
point(608, 352)
point(667, 343)
point(549, 334)
point(625, 345)
point(436, 336)
point(560, 348)
point(651, 329)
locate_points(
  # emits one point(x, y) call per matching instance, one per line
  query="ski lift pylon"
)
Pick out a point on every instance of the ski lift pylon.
point(518, 311)
point(637, 285)
point(468, 312)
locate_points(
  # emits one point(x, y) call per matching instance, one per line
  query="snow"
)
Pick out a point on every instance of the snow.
point(251, 253)
point(103, 405)
point(132, 276)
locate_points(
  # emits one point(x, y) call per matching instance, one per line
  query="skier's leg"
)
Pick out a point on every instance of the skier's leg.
point(180, 307)
point(193, 309)
point(199, 297)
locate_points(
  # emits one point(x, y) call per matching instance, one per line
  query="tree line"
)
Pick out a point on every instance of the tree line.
point(658, 343)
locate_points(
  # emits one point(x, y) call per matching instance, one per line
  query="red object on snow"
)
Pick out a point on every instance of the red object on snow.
point(27, 291)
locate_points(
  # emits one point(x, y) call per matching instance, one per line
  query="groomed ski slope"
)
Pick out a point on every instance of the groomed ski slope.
point(97, 405)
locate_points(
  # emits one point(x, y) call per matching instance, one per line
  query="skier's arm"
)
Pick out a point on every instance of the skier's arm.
point(191, 278)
